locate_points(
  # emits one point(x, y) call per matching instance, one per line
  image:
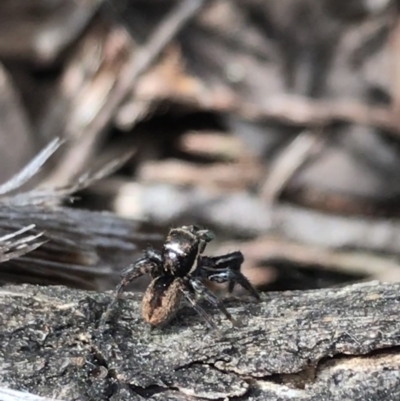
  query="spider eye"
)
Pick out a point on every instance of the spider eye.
point(208, 235)
point(205, 235)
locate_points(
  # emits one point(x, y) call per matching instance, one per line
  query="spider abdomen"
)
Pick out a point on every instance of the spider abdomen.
point(161, 300)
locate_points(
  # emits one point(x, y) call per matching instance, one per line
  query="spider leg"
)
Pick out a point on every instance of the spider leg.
point(132, 272)
point(202, 290)
point(215, 264)
point(226, 268)
point(190, 298)
point(153, 255)
point(234, 277)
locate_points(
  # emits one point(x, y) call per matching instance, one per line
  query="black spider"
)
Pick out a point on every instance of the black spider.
point(179, 271)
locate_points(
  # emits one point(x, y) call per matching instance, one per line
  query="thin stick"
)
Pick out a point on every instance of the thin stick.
point(287, 163)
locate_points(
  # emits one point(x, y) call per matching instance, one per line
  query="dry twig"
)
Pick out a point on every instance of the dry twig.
point(137, 64)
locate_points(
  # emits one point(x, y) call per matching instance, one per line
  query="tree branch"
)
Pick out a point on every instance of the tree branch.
point(292, 345)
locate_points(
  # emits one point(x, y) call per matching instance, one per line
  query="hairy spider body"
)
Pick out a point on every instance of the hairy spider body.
point(161, 300)
point(178, 271)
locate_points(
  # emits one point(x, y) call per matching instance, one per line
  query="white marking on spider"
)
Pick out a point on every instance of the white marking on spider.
point(173, 246)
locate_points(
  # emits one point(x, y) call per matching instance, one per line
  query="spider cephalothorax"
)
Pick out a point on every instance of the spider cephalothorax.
point(179, 270)
point(181, 249)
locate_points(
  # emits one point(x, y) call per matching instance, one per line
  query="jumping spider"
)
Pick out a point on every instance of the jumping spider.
point(179, 271)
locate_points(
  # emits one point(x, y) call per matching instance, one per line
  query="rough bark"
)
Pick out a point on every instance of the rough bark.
point(330, 344)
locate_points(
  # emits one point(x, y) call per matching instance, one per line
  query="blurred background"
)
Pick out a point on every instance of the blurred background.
point(274, 123)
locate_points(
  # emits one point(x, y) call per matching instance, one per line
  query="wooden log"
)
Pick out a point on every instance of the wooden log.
point(330, 344)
